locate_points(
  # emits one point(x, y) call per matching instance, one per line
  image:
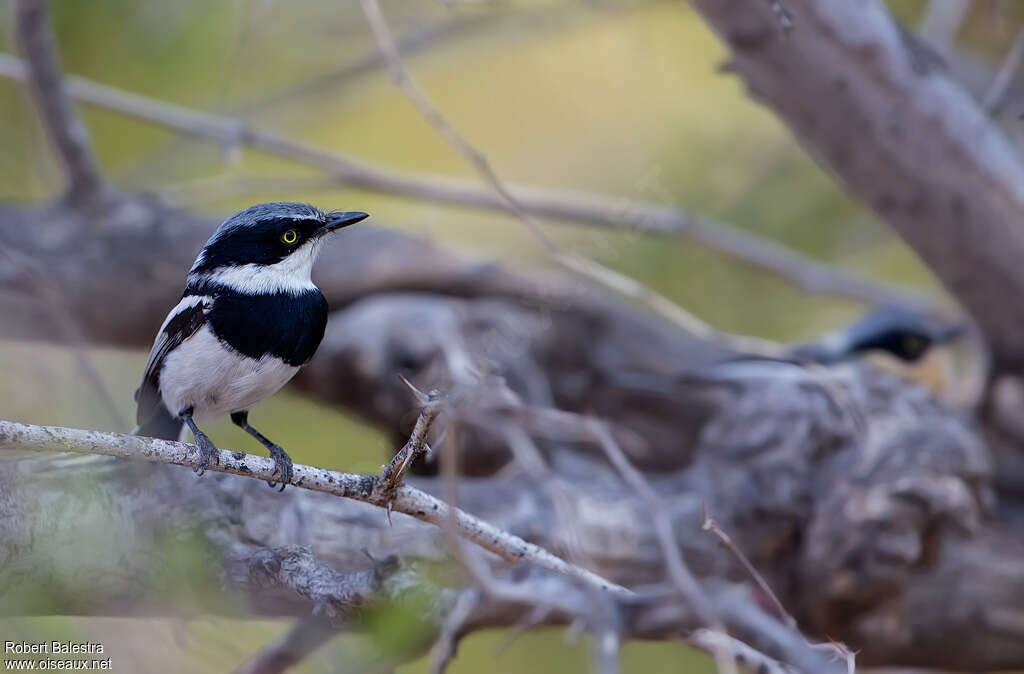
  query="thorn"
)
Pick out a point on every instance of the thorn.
point(420, 395)
point(424, 399)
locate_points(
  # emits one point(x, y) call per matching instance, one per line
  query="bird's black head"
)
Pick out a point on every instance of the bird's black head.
point(902, 333)
point(899, 332)
point(268, 245)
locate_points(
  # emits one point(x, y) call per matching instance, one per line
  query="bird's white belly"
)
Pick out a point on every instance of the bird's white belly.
point(204, 374)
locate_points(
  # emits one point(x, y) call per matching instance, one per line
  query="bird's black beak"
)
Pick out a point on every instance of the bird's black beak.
point(340, 219)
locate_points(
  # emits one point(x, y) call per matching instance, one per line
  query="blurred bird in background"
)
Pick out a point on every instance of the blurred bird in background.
point(917, 347)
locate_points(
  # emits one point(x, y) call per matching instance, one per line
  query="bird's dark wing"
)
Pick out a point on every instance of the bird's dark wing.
point(183, 322)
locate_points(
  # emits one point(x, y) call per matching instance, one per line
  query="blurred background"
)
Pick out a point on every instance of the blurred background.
point(618, 98)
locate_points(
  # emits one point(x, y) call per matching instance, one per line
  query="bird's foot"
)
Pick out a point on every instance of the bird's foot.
point(207, 451)
point(282, 466)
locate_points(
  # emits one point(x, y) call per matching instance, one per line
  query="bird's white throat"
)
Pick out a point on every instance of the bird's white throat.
point(291, 275)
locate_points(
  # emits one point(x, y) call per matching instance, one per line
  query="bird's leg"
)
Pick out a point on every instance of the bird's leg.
point(282, 462)
point(207, 450)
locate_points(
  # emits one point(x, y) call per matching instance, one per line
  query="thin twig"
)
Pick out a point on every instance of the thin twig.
point(302, 638)
point(571, 207)
point(712, 528)
point(65, 130)
point(365, 488)
point(580, 264)
point(750, 658)
point(451, 630)
point(678, 571)
point(416, 447)
point(419, 39)
point(838, 650)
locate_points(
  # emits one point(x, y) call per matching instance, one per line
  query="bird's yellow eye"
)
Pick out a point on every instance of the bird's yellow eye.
point(912, 344)
point(291, 236)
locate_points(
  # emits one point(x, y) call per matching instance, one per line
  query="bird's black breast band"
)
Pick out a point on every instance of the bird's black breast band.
point(285, 325)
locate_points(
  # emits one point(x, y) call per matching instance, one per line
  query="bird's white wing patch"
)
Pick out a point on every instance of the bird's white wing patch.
point(181, 323)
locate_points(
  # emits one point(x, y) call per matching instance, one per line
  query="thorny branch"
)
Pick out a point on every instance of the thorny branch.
point(315, 581)
point(365, 488)
point(581, 208)
point(417, 446)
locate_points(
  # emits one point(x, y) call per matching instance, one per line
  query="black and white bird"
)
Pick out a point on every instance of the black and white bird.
point(249, 318)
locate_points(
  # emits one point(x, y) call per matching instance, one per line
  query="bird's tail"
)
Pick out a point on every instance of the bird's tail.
point(162, 424)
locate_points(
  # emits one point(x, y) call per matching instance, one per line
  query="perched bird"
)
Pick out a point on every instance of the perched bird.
point(249, 318)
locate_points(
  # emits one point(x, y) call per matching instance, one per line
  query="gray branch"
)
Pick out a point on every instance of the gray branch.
point(63, 127)
point(572, 207)
point(366, 488)
point(874, 106)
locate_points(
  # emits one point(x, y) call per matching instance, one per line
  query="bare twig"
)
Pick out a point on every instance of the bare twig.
point(712, 528)
point(596, 210)
point(529, 458)
point(838, 650)
point(678, 571)
point(416, 447)
point(748, 657)
point(365, 488)
point(996, 91)
point(583, 265)
point(451, 629)
point(607, 643)
point(419, 39)
point(65, 130)
point(301, 639)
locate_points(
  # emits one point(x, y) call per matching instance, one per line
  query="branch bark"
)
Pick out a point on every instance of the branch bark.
point(578, 208)
point(366, 488)
point(63, 127)
point(886, 119)
point(860, 526)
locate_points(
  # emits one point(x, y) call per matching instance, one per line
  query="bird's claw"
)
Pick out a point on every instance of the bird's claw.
point(282, 466)
point(207, 452)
